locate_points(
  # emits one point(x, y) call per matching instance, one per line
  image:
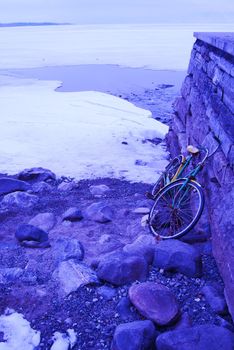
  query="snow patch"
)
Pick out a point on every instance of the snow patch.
point(18, 335)
point(85, 134)
point(64, 341)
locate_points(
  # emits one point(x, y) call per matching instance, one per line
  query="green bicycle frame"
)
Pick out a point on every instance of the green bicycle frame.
point(192, 175)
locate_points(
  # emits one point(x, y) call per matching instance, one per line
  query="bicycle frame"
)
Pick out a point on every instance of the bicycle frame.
point(191, 175)
point(185, 163)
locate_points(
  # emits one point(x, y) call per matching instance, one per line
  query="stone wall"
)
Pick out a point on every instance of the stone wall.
point(206, 107)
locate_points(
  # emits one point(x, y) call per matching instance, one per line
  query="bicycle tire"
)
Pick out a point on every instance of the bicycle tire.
point(169, 173)
point(163, 217)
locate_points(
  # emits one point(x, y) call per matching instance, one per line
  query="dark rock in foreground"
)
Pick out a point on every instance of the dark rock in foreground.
point(138, 335)
point(8, 185)
point(174, 255)
point(119, 268)
point(197, 338)
point(154, 301)
point(144, 246)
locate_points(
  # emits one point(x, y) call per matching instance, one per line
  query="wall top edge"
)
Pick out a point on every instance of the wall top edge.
point(221, 40)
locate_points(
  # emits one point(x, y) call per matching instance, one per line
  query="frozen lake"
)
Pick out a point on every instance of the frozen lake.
point(80, 132)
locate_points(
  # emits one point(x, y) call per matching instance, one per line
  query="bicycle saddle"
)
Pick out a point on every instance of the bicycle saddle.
point(192, 149)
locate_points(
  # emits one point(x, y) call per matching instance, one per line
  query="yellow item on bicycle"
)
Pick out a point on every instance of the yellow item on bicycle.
point(192, 149)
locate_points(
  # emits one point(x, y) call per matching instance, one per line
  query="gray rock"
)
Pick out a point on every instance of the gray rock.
point(71, 275)
point(155, 301)
point(215, 299)
point(99, 190)
point(99, 212)
point(144, 246)
point(42, 186)
point(197, 338)
point(44, 221)
point(31, 233)
point(38, 174)
point(137, 335)
point(20, 200)
point(120, 268)
point(106, 292)
point(65, 249)
point(174, 255)
point(67, 186)
point(72, 214)
point(8, 185)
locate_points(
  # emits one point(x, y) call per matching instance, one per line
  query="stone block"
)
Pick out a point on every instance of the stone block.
point(178, 125)
point(229, 103)
point(222, 62)
point(186, 87)
point(230, 157)
point(182, 107)
point(222, 170)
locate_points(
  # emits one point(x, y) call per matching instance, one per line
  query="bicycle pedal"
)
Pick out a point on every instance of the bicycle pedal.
point(149, 195)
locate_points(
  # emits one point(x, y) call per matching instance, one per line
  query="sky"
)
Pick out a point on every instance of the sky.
point(117, 11)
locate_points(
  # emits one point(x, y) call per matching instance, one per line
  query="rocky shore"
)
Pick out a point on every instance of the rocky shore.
point(78, 262)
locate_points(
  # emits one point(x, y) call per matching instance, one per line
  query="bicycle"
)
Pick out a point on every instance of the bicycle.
point(178, 201)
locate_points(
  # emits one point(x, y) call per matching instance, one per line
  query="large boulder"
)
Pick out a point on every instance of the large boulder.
point(137, 335)
point(174, 255)
point(155, 301)
point(71, 274)
point(197, 338)
point(44, 221)
point(8, 185)
point(120, 268)
point(144, 246)
point(99, 212)
point(20, 200)
point(32, 236)
point(36, 174)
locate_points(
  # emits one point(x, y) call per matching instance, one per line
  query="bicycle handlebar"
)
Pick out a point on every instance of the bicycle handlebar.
point(202, 148)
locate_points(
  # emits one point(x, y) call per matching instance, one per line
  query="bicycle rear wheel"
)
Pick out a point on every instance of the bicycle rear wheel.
point(167, 175)
point(177, 209)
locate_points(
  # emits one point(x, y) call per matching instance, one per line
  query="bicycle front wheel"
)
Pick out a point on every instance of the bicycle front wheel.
point(176, 210)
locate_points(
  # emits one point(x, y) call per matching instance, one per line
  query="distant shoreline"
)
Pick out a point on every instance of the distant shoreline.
point(31, 24)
